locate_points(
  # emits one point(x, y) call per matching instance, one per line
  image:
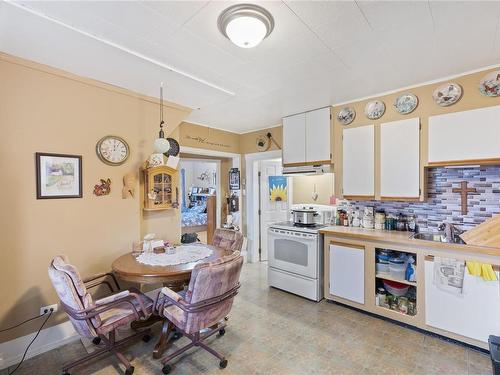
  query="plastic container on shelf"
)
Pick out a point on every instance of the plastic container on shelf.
point(395, 288)
point(397, 268)
point(382, 267)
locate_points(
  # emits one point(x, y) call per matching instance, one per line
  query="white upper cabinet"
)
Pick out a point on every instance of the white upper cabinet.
point(466, 136)
point(400, 159)
point(318, 135)
point(294, 133)
point(358, 155)
point(307, 137)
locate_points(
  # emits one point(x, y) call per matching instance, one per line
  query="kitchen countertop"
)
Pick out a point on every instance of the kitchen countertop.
point(404, 239)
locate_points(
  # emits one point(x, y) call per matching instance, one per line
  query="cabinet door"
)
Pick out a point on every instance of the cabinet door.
point(400, 159)
point(318, 135)
point(347, 272)
point(465, 136)
point(474, 313)
point(358, 167)
point(294, 132)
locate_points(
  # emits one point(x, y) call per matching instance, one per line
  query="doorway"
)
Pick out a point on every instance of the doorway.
point(200, 191)
point(274, 199)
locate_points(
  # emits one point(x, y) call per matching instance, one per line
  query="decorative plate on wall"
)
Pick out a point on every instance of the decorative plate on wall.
point(375, 109)
point(406, 103)
point(447, 94)
point(174, 148)
point(346, 115)
point(490, 84)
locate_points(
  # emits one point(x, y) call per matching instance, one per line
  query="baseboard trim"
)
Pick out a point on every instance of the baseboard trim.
point(50, 338)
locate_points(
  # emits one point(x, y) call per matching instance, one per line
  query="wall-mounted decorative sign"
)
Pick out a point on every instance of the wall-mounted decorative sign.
point(375, 109)
point(234, 179)
point(447, 94)
point(205, 141)
point(58, 176)
point(346, 115)
point(278, 189)
point(104, 188)
point(490, 84)
point(406, 103)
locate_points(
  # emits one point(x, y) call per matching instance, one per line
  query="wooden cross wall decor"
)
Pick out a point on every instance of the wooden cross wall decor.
point(464, 190)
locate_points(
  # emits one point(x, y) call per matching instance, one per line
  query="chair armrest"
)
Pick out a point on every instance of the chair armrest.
point(169, 298)
point(112, 298)
point(170, 294)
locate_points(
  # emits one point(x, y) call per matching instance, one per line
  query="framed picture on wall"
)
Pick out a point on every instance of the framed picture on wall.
point(58, 176)
point(234, 179)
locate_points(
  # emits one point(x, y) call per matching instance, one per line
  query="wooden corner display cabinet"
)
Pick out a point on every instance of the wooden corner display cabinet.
point(160, 188)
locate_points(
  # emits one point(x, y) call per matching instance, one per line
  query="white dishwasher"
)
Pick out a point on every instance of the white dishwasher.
point(347, 272)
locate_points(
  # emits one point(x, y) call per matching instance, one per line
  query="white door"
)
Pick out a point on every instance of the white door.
point(270, 211)
point(318, 135)
point(400, 159)
point(294, 133)
point(358, 167)
point(347, 272)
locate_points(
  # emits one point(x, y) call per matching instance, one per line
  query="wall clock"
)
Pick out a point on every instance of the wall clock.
point(112, 150)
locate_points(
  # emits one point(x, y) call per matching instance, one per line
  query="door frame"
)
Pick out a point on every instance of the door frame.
point(252, 199)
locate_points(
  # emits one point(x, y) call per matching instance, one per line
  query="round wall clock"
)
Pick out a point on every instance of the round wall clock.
point(375, 109)
point(112, 150)
point(346, 115)
point(447, 94)
point(406, 103)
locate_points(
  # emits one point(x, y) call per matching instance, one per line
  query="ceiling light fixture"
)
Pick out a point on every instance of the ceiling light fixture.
point(246, 25)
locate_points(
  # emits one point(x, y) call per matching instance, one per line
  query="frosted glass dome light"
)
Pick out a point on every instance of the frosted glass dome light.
point(246, 25)
point(161, 145)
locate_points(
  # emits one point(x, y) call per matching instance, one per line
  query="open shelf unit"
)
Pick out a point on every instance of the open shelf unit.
point(404, 306)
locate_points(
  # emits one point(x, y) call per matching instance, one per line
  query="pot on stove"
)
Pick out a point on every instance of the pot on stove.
point(304, 216)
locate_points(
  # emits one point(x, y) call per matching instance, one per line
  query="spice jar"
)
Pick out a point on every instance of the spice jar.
point(401, 223)
point(381, 297)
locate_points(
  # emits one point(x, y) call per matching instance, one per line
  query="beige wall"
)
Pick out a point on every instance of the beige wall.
point(47, 110)
point(303, 188)
point(248, 140)
point(471, 99)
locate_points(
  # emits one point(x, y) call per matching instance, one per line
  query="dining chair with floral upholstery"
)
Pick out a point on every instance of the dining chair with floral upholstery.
point(201, 310)
point(228, 239)
point(98, 319)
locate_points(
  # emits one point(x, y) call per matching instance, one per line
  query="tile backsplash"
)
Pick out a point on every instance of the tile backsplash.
point(444, 205)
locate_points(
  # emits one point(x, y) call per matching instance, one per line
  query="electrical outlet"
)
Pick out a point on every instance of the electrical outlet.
point(46, 309)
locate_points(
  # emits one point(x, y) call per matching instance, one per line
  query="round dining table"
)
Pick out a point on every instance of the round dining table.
point(127, 268)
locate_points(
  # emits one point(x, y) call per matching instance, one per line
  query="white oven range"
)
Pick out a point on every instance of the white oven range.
point(295, 259)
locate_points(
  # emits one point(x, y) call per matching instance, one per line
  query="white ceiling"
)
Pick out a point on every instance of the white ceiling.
point(320, 52)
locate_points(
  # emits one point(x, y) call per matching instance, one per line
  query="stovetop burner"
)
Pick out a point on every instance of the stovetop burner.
point(301, 225)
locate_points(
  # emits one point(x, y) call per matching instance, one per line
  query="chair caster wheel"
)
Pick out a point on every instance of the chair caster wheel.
point(226, 318)
point(223, 363)
point(166, 369)
point(222, 332)
point(146, 338)
point(96, 340)
point(176, 336)
point(130, 370)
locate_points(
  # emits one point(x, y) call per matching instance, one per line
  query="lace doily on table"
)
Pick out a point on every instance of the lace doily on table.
point(183, 254)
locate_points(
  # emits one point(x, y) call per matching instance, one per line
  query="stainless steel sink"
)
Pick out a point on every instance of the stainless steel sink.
point(435, 236)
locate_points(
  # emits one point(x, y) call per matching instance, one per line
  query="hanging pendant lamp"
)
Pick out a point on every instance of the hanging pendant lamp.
point(161, 145)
